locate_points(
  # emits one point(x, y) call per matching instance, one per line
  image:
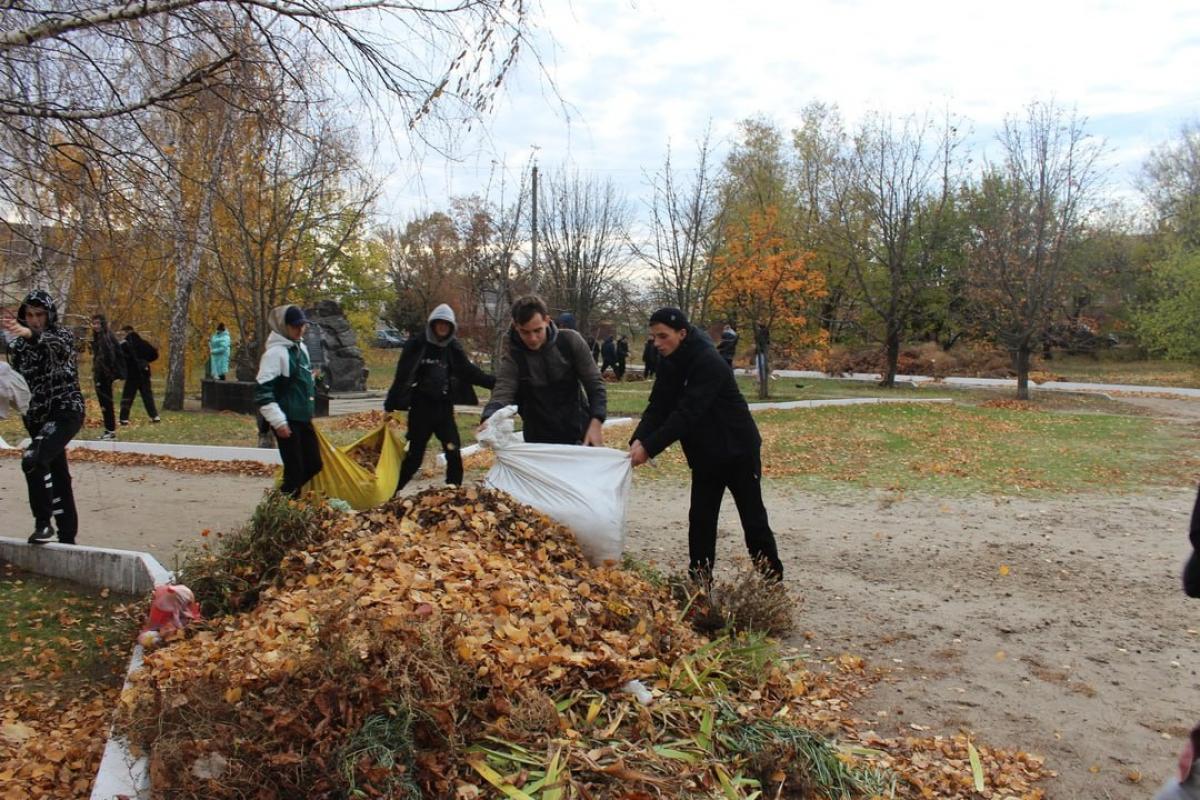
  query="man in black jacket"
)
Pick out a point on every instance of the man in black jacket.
point(43, 352)
point(108, 365)
point(433, 373)
point(696, 401)
point(138, 356)
point(649, 359)
point(542, 370)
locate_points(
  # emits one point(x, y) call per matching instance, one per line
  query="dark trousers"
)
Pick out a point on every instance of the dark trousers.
point(104, 395)
point(138, 382)
point(431, 418)
point(48, 477)
point(301, 456)
point(619, 368)
point(742, 478)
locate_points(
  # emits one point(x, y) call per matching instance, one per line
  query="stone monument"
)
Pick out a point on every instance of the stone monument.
point(340, 360)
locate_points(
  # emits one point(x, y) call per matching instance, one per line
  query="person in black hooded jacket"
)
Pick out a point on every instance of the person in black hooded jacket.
point(433, 374)
point(138, 355)
point(108, 365)
point(696, 401)
point(43, 352)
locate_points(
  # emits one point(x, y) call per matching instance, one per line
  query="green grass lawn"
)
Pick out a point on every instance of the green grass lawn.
point(984, 442)
point(1109, 368)
point(59, 631)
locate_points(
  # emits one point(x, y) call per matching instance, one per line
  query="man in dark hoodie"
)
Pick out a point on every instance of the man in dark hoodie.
point(542, 370)
point(108, 365)
point(139, 354)
point(696, 401)
point(44, 354)
point(433, 374)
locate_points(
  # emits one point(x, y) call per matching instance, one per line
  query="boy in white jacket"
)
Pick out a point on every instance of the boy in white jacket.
point(286, 397)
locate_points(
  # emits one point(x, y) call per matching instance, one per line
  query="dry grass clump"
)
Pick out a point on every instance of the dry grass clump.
point(745, 601)
point(229, 574)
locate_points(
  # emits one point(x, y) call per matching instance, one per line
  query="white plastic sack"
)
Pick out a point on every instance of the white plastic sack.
point(584, 488)
point(13, 390)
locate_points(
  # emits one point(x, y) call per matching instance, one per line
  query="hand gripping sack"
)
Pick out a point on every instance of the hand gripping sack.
point(585, 489)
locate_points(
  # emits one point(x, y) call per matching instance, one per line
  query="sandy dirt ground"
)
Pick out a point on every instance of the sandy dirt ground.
point(1055, 626)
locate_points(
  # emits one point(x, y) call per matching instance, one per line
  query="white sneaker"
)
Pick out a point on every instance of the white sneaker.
point(108, 436)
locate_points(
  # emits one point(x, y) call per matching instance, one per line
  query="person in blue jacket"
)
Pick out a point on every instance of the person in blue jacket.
point(218, 352)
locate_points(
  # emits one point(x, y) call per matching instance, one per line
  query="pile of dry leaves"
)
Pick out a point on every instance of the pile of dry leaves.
point(456, 644)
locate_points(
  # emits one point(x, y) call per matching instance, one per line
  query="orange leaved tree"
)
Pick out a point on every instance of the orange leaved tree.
point(764, 281)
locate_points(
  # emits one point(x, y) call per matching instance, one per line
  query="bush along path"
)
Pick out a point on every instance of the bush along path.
point(456, 644)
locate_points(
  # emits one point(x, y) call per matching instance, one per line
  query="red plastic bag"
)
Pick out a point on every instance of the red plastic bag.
point(172, 607)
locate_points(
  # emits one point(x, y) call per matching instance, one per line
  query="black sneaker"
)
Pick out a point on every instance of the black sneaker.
point(41, 535)
point(108, 436)
point(124, 422)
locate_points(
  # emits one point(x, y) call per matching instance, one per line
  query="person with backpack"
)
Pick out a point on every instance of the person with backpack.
point(286, 397)
point(139, 355)
point(727, 347)
point(696, 402)
point(433, 374)
point(108, 365)
point(550, 375)
point(43, 353)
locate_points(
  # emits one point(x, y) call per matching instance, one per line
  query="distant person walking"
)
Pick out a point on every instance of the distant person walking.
point(608, 355)
point(433, 374)
point(218, 353)
point(43, 352)
point(108, 365)
point(762, 341)
point(139, 355)
point(286, 397)
point(649, 359)
point(622, 357)
point(727, 347)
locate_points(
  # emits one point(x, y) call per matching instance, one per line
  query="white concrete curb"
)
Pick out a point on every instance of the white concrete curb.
point(849, 401)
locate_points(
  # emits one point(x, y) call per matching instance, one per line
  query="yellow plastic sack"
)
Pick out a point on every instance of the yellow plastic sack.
point(342, 477)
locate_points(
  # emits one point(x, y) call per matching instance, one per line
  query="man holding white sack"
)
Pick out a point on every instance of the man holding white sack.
point(696, 401)
point(549, 374)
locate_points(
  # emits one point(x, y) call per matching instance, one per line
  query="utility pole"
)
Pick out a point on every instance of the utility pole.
point(533, 270)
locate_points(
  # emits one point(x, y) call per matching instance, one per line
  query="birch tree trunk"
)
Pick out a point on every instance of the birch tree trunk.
point(188, 252)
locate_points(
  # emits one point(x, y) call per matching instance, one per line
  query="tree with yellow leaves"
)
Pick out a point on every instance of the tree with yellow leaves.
point(764, 281)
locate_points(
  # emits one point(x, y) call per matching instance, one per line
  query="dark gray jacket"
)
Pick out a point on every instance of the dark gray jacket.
point(545, 386)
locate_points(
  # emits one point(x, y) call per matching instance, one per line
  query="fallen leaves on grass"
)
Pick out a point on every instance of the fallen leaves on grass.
point(61, 662)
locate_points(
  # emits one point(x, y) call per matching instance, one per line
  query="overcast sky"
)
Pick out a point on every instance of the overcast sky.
point(637, 74)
